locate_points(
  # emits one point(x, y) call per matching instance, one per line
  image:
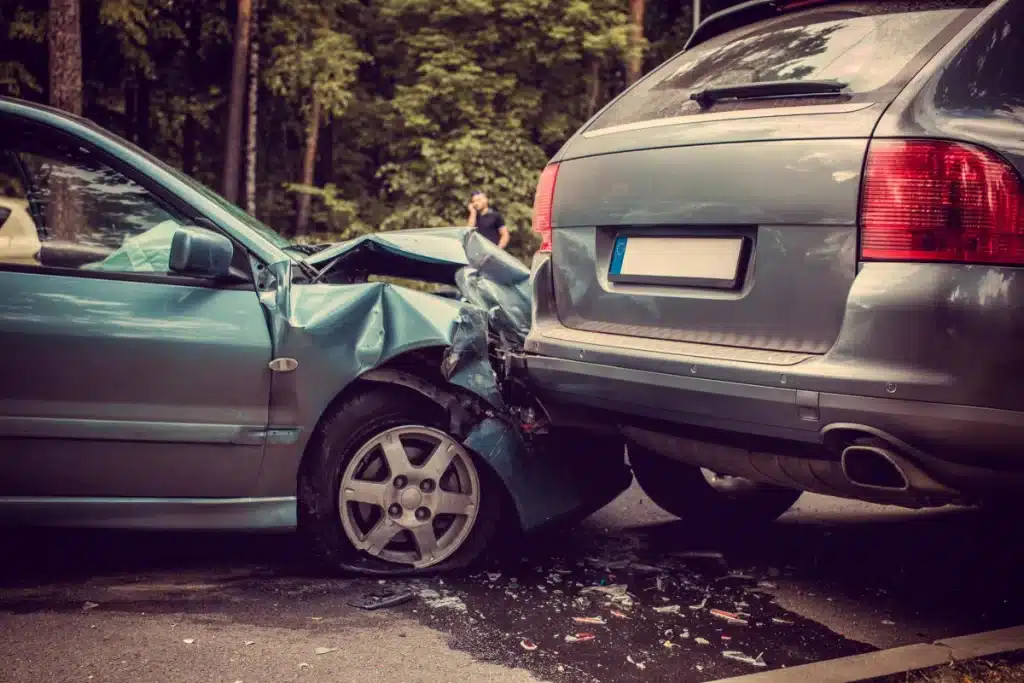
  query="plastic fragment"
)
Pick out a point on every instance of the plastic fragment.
point(90, 605)
point(189, 641)
point(639, 665)
point(451, 602)
point(303, 665)
point(324, 650)
point(786, 622)
point(766, 584)
point(620, 615)
point(701, 641)
point(317, 618)
point(669, 644)
point(667, 609)
point(491, 576)
point(685, 634)
point(579, 637)
point(247, 643)
point(730, 617)
point(746, 659)
point(590, 620)
point(702, 605)
point(528, 644)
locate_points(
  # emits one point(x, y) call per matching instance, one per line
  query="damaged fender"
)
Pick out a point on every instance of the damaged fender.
point(336, 334)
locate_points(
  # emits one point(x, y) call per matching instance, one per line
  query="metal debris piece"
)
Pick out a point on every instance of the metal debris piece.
point(701, 641)
point(667, 609)
point(382, 597)
point(90, 605)
point(590, 620)
point(324, 650)
point(702, 605)
point(579, 637)
point(730, 617)
point(528, 644)
point(746, 659)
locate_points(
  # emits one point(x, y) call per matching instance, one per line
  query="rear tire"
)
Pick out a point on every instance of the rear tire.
point(684, 491)
point(349, 447)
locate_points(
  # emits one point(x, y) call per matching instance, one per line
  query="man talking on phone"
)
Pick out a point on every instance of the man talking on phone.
point(486, 220)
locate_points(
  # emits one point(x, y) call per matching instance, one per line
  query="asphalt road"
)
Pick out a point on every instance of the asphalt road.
point(830, 579)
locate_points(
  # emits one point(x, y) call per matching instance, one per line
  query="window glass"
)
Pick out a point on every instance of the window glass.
point(864, 45)
point(85, 214)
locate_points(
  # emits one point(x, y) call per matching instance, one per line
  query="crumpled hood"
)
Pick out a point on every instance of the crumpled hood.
point(428, 254)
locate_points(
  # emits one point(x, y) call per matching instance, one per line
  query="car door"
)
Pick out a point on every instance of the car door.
point(117, 377)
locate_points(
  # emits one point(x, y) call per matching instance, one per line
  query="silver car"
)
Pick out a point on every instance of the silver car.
point(789, 259)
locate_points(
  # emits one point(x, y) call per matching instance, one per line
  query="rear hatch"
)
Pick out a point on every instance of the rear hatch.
point(716, 202)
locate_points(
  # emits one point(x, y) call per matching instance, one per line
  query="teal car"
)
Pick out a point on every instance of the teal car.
point(168, 362)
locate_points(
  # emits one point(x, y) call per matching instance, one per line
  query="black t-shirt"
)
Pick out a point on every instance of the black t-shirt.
point(489, 223)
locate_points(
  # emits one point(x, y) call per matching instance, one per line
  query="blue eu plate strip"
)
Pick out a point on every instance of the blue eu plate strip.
point(617, 255)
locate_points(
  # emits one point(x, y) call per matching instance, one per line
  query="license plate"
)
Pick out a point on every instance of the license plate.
point(689, 261)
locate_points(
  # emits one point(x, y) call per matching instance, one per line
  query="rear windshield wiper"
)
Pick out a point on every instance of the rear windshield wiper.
point(768, 89)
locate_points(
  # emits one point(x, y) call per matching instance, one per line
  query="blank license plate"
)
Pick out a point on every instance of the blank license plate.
point(693, 261)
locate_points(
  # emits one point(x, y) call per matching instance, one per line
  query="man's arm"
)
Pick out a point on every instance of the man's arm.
point(503, 237)
point(471, 222)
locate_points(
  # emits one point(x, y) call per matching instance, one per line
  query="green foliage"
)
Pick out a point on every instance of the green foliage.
point(422, 101)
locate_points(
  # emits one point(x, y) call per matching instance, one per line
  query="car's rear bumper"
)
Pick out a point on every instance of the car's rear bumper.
point(635, 381)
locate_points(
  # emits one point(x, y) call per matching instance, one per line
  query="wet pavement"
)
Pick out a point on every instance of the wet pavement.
point(660, 600)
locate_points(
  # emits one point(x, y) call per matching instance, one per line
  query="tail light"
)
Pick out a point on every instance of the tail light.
point(938, 201)
point(542, 203)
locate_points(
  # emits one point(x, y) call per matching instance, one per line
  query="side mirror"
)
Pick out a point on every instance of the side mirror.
point(200, 253)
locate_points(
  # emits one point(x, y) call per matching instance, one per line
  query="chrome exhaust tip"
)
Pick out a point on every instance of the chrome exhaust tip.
point(874, 467)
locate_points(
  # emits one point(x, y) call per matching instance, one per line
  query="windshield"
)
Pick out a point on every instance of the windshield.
point(863, 45)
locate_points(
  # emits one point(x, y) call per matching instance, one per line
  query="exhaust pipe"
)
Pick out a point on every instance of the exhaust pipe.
point(873, 464)
point(874, 467)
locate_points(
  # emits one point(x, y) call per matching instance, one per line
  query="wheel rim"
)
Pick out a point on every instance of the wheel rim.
point(410, 495)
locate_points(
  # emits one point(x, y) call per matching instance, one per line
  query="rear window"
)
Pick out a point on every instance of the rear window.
point(867, 45)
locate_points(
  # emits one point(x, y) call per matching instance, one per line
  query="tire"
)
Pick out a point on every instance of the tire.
point(332, 531)
point(683, 490)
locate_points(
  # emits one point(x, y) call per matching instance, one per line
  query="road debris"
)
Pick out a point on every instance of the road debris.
point(766, 584)
point(303, 665)
point(451, 602)
point(620, 615)
point(667, 609)
point(90, 605)
point(382, 597)
point(579, 637)
point(324, 650)
point(730, 617)
point(669, 644)
point(615, 592)
point(888, 623)
point(590, 620)
point(189, 641)
point(746, 659)
point(528, 644)
point(702, 605)
point(493, 576)
point(701, 641)
point(785, 622)
point(639, 665)
point(247, 643)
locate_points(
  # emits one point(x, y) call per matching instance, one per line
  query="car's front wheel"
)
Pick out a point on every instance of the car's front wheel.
point(689, 493)
point(386, 489)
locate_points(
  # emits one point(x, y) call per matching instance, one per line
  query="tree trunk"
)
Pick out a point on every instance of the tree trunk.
point(142, 113)
point(190, 135)
point(236, 102)
point(65, 39)
point(250, 141)
point(308, 162)
point(593, 87)
point(635, 65)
